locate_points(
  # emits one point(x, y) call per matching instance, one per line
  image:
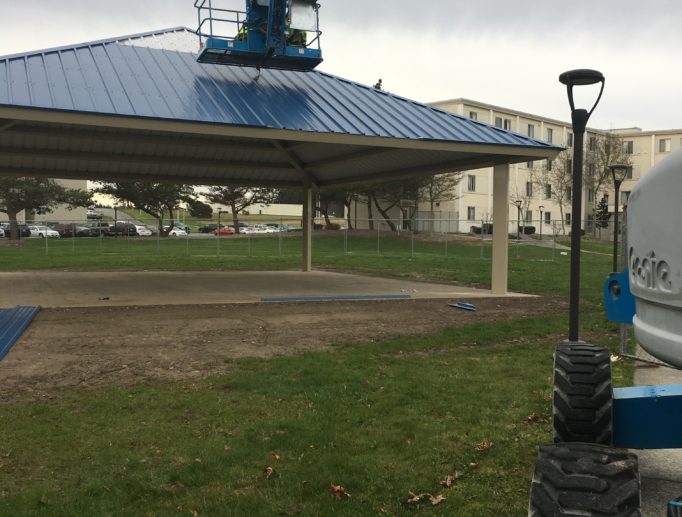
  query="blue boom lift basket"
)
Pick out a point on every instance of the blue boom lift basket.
point(281, 34)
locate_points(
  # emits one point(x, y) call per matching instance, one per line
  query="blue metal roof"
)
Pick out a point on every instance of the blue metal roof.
point(117, 77)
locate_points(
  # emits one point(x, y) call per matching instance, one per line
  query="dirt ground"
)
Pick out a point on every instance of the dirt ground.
point(128, 345)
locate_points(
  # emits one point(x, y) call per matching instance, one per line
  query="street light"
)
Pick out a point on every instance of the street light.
point(542, 209)
point(579, 118)
point(619, 171)
point(518, 204)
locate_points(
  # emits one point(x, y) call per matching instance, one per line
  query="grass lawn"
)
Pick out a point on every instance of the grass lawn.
point(384, 420)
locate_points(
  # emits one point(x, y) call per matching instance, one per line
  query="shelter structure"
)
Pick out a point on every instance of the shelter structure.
point(142, 108)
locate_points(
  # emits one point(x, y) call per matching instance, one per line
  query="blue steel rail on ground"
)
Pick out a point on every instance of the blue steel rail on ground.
point(13, 322)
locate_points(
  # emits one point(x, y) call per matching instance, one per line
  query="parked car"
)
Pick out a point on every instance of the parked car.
point(43, 231)
point(182, 226)
point(209, 228)
point(23, 230)
point(2, 232)
point(99, 229)
point(224, 231)
point(143, 231)
point(177, 232)
point(122, 229)
point(69, 230)
point(92, 214)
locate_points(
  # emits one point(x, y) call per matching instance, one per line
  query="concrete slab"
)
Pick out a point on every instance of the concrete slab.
point(121, 288)
point(661, 469)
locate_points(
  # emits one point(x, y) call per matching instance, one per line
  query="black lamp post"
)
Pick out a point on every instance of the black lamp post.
point(579, 117)
point(518, 204)
point(542, 209)
point(619, 172)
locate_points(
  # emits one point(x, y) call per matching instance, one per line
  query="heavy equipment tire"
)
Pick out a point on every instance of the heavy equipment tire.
point(581, 479)
point(583, 396)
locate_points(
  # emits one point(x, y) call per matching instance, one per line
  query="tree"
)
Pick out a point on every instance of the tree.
point(154, 199)
point(241, 198)
point(33, 194)
point(199, 209)
point(560, 180)
point(439, 188)
point(390, 194)
point(602, 216)
point(604, 150)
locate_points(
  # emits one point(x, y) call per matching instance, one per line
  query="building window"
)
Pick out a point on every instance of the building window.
point(569, 166)
point(570, 140)
point(471, 213)
point(498, 122)
point(592, 142)
point(624, 196)
point(529, 165)
point(664, 145)
point(529, 189)
point(568, 218)
point(473, 115)
point(548, 217)
point(529, 216)
point(628, 176)
point(471, 179)
point(590, 195)
point(550, 134)
point(548, 191)
point(568, 193)
point(549, 165)
point(531, 130)
point(507, 124)
point(590, 170)
point(628, 147)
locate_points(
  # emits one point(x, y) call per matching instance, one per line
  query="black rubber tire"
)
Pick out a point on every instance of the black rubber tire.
point(579, 479)
point(583, 395)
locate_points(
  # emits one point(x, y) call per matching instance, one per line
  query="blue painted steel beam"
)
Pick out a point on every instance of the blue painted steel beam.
point(337, 298)
point(648, 417)
point(13, 322)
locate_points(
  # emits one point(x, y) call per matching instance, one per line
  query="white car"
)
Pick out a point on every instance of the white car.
point(2, 232)
point(143, 231)
point(43, 231)
point(177, 232)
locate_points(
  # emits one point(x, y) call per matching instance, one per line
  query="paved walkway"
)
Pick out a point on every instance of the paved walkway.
point(661, 469)
point(73, 289)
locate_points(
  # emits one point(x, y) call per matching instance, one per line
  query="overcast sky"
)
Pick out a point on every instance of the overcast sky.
point(504, 52)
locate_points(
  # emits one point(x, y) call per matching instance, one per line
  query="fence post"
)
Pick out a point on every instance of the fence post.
point(248, 239)
point(345, 241)
point(482, 236)
point(378, 239)
point(446, 243)
point(187, 239)
point(412, 243)
point(158, 236)
point(73, 238)
point(47, 247)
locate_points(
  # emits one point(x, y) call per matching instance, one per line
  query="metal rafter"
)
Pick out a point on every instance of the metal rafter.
point(308, 176)
point(107, 176)
point(6, 124)
point(336, 160)
point(141, 159)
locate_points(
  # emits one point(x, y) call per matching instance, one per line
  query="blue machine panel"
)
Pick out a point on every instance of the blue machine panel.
point(618, 299)
point(648, 417)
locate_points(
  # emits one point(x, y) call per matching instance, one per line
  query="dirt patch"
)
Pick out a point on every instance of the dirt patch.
point(129, 345)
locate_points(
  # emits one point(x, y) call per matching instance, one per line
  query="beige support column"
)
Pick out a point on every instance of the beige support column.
point(307, 229)
point(500, 229)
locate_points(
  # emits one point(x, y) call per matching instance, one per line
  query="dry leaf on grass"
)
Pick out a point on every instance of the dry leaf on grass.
point(534, 418)
point(483, 446)
point(473, 465)
point(437, 500)
point(268, 471)
point(276, 456)
point(450, 480)
point(338, 491)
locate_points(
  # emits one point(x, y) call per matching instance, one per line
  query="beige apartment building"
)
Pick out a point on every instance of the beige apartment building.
point(473, 202)
point(60, 213)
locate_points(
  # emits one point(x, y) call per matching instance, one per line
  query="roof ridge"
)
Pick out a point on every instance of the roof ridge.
point(105, 41)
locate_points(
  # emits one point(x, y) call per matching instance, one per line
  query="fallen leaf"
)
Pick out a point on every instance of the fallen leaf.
point(276, 456)
point(389, 466)
point(483, 446)
point(534, 418)
point(268, 471)
point(450, 480)
point(338, 491)
point(473, 465)
point(437, 500)
point(294, 510)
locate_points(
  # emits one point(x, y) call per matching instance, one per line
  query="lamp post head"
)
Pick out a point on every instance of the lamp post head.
point(518, 203)
point(619, 171)
point(581, 77)
point(542, 208)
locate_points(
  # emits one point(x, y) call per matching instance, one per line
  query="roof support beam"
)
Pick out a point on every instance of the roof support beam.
point(366, 153)
point(140, 159)
point(6, 124)
point(116, 137)
point(107, 176)
point(439, 168)
point(308, 177)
